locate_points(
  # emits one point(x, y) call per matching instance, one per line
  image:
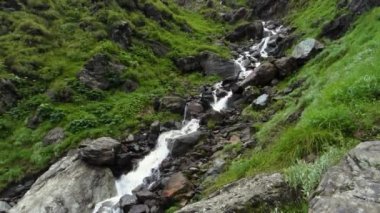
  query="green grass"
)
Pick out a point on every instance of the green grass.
point(339, 103)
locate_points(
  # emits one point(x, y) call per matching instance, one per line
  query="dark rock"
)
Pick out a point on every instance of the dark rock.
point(141, 208)
point(261, 75)
point(352, 185)
point(189, 64)
point(127, 201)
point(285, 66)
point(268, 9)
point(181, 145)
point(8, 95)
point(54, 136)
point(4, 207)
point(101, 73)
point(212, 64)
point(100, 152)
point(159, 48)
point(10, 5)
point(194, 108)
point(210, 3)
point(337, 27)
point(173, 104)
point(154, 13)
point(129, 86)
point(122, 34)
point(358, 7)
point(238, 15)
point(144, 195)
point(307, 49)
point(177, 187)
point(128, 4)
point(61, 95)
point(253, 30)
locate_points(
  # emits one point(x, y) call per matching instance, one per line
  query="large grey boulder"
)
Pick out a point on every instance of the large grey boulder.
point(4, 207)
point(54, 136)
point(69, 185)
point(353, 185)
point(253, 30)
point(172, 103)
point(307, 49)
point(100, 152)
point(261, 75)
point(260, 190)
point(179, 146)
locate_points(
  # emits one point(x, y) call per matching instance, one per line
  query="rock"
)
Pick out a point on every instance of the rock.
point(217, 167)
point(129, 86)
point(268, 9)
point(54, 136)
point(154, 13)
point(238, 15)
point(101, 73)
point(260, 190)
point(357, 7)
point(253, 30)
point(100, 152)
point(158, 48)
point(8, 95)
point(141, 208)
point(144, 195)
point(173, 104)
point(68, 186)
point(194, 108)
point(10, 5)
point(189, 64)
point(261, 101)
point(122, 34)
point(212, 64)
point(337, 27)
point(61, 95)
point(285, 66)
point(127, 201)
point(128, 4)
point(307, 49)
point(353, 185)
point(179, 146)
point(261, 75)
point(177, 187)
point(4, 207)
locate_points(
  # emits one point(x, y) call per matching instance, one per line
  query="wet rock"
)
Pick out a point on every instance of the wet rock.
point(144, 195)
point(177, 187)
point(285, 66)
point(337, 27)
point(179, 146)
point(127, 201)
point(54, 136)
point(122, 34)
point(69, 185)
point(239, 14)
point(194, 108)
point(212, 64)
point(173, 104)
point(10, 5)
point(141, 208)
point(101, 73)
point(8, 95)
point(261, 102)
point(4, 207)
point(268, 9)
point(253, 30)
point(307, 49)
point(260, 190)
point(261, 75)
point(100, 152)
point(353, 184)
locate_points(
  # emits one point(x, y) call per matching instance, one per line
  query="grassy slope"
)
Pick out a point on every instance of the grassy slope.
point(59, 51)
point(340, 98)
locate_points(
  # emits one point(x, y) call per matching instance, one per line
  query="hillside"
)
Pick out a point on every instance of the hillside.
point(111, 89)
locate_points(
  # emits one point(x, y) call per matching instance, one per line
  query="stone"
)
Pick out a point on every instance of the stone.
point(129, 86)
point(8, 95)
point(253, 30)
point(10, 5)
point(261, 101)
point(4, 207)
point(179, 146)
point(238, 15)
point(177, 187)
point(141, 208)
point(54, 136)
point(144, 195)
point(194, 108)
point(213, 64)
point(353, 185)
point(158, 48)
point(268, 9)
point(61, 95)
point(127, 201)
point(265, 189)
point(261, 75)
point(173, 103)
point(154, 13)
point(337, 27)
point(122, 34)
point(69, 185)
point(358, 7)
point(285, 66)
point(306, 49)
point(100, 152)
point(188, 64)
point(101, 73)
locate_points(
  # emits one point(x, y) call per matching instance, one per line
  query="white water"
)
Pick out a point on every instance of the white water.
point(221, 104)
point(126, 183)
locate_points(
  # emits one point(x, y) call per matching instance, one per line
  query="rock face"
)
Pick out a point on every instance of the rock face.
point(54, 136)
point(8, 95)
point(353, 185)
point(68, 186)
point(307, 49)
point(253, 30)
point(4, 207)
point(262, 189)
point(101, 73)
point(100, 152)
point(285, 66)
point(177, 186)
point(180, 145)
point(122, 34)
point(261, 75)
point(10, 5)
point(337, 27)
point(265, 9)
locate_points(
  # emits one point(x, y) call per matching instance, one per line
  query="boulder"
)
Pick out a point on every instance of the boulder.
point(61, 95)
point(268, 9)
point(337, 27)
point(177, 187)
point(194, 108)
point(189, 64)
point(100, 152)
point(158, 48)
point(122, 34)
point(129, 86)
point(173, 104)
point(54, 136)
point(253, 30)
point(358, 7)
point(261, 101)
point(4, 207)
point(212, 64)
point(353, 185)
point(128, 4)
point(261, 75)
point(141, 208)
point(68, 186)
point(10, 5)
point(285, 66)
point(8, 95)
point(307, 49)
point(261, 190)
point(154, 13)
point(144, 195)
point(127, 201)
point(238, 15)
point(179, 146)
point(101, 73)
